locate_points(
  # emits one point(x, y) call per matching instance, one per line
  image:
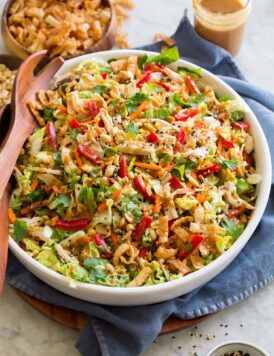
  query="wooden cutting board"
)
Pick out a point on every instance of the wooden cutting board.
point(77, 320)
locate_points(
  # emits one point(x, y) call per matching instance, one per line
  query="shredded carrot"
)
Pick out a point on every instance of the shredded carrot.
point(34, 185)
point(106, 96)
point(85, 240)
point(77, 158)
point(12, 216)
point(98, 131)
point(198, 124)
point(150, 166)
point(62, 109)
point(189, 185)
point(169, 167)
point(88, 122)
point(158, 204)
point(114, 240)
point(201, 197)
point(103, 206)
point(194, 175)
point(141, 108)
point(54, 220)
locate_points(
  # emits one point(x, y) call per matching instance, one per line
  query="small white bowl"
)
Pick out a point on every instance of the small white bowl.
point(233, 346)
point(161, 292)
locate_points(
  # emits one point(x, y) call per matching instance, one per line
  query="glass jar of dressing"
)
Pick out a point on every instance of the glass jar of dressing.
point(222, 21)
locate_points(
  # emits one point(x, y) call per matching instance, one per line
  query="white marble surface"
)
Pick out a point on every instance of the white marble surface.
point(25, 332)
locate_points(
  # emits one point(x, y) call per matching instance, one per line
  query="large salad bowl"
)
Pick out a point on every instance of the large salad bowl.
point(161, 292)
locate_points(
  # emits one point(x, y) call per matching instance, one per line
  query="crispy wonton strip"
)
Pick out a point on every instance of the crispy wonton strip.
point(141, 277)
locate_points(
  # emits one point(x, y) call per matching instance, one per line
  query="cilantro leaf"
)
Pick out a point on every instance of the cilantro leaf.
point(86, 197)
point(36, 195)
point(196, 71)
point(132, 130)
point(188, 247)
point(195, 100)
point(100, 89)
point(237, 115)
point(74, 133)
point(227, 164)
point(169, 56)
point(87, 93)
point(112, 60)
point(190, 165)
point(177, 100)
point(60, 203)
point(233, 229)
point(133, 102)
point(48, 114)
point(59, 235)
point(131, 203)
point(20, 230)
point(180, 160)
point(96, 267)
point(224, 98)
point(57, 158)
point(161, 113)
point(142, 61)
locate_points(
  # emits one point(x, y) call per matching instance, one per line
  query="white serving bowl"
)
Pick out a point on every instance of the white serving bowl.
point(161, 292)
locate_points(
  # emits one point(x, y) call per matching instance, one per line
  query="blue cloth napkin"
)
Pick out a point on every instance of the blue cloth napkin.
point(126, 331)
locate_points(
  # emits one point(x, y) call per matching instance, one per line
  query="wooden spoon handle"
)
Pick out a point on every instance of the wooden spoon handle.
point(4, 235)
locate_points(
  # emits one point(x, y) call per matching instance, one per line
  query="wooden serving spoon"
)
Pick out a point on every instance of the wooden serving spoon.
point(25, 87)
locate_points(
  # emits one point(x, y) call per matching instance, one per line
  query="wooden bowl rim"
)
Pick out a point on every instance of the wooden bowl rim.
point(111, 27)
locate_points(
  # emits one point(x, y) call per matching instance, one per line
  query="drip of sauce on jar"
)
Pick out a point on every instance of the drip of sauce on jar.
point(222, 21)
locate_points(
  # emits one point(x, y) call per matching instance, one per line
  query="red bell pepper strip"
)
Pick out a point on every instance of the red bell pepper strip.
point(141, 227)
point(186, 114)
point(175, 183)
point(88, 153)
point(104, 75)
point(180, 140)
point(101, 123)
point(71, 225)
point(241, 125)
point(227, 144)
point(181, 136)
point(195, 242)
point(141, 186)
point(143, 252)
point(216, 167)
point(100, 241)
point(123, 167)
point(93, 108)
point(74, 124)
point(191, 85)
point(154, 67)
point(52, 135)
point(112, 180)
point(143, 80)
point(163, 85)
point(152, 137)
